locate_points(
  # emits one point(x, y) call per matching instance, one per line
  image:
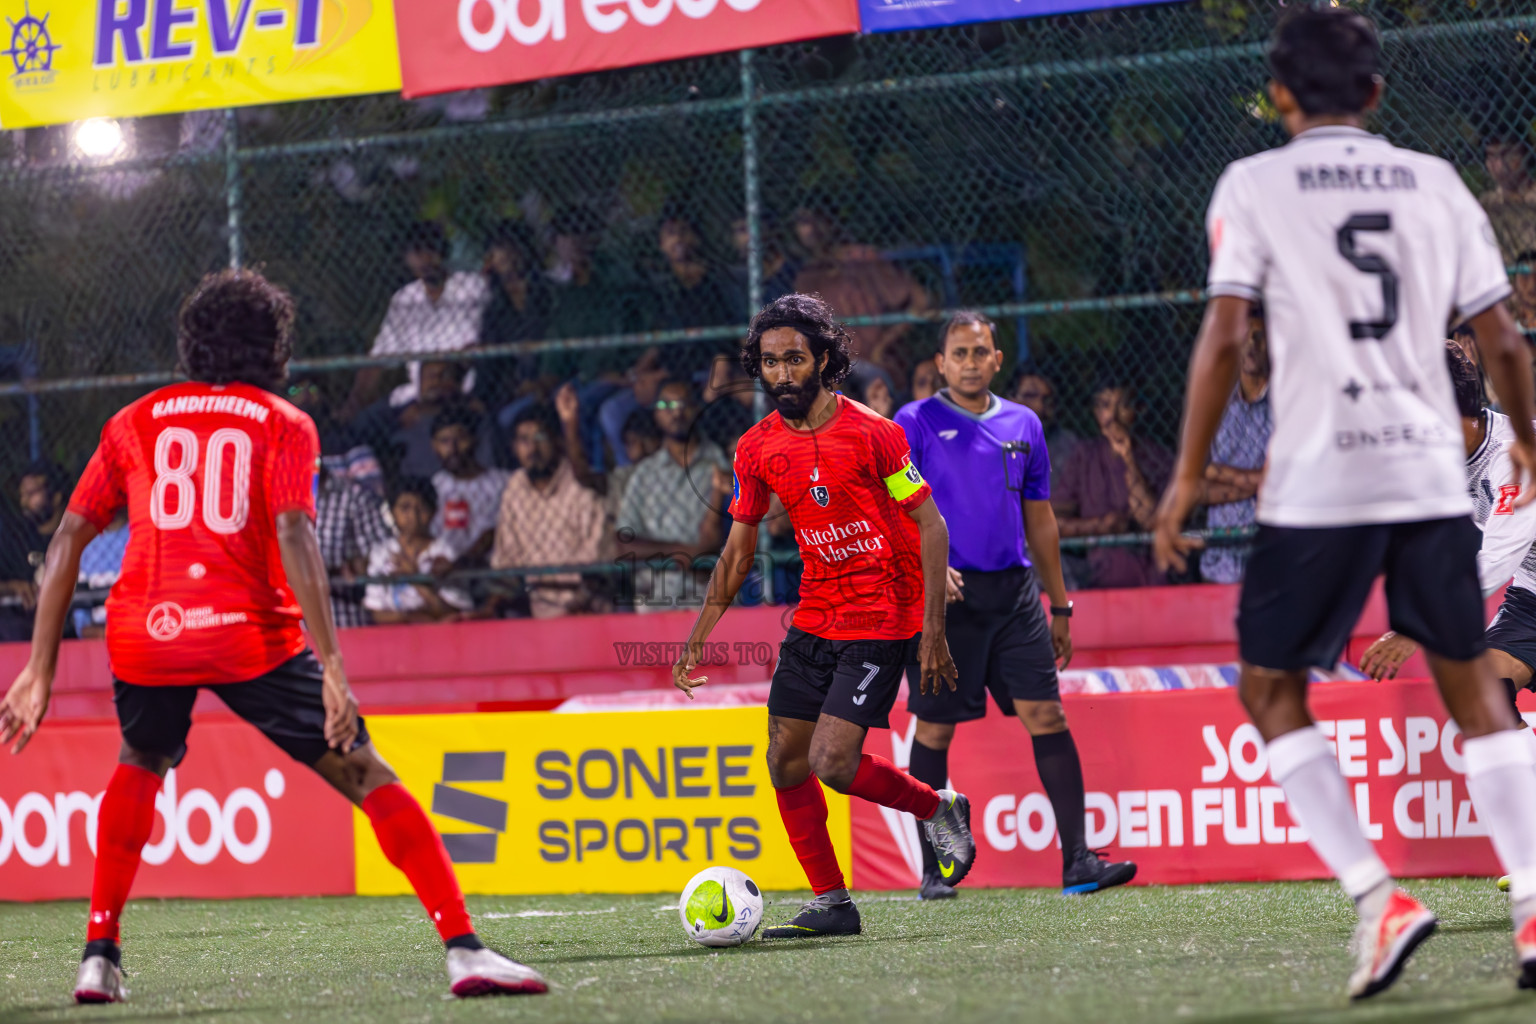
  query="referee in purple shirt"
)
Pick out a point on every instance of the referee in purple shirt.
point(986, 460)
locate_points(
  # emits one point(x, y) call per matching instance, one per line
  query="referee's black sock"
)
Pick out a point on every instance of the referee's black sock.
point(930, 766)
point(1062, 775)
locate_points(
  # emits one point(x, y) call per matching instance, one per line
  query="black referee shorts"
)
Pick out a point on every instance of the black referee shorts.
point(1000, 639)
point(285, 704)
point(1305, 589)
point(855, 680)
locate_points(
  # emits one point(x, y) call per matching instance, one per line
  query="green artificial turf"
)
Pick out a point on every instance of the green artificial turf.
point(1216, 952)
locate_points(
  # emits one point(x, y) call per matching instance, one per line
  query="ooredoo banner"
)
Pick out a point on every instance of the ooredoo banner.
point(66, 60)
point(462, 44)
point(1179, 782)
point(559, 803)
point(237, 818)
point(891, 15)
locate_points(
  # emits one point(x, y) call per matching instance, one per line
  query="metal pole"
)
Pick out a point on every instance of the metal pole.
point(754, 206)
point(754, 213)
point(232, 187)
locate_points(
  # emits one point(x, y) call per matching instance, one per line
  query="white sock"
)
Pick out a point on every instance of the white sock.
point(1301, 764)
point(1501, 776)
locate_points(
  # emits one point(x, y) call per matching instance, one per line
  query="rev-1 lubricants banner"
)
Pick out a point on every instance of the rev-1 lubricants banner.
point(462, 44)
point(628, 802)
point(890, 15)
point(1179, 783)
point(65, 60)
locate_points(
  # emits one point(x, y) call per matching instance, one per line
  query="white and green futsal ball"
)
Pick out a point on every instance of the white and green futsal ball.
point(721, 907)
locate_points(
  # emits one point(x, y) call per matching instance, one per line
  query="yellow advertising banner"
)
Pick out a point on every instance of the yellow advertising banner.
point(66, 60)
point(564, 803)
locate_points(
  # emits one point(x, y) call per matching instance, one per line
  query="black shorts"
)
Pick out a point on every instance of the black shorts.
point(285, 704)
point(855, 680)
point(1305, 588)
point(1000, 639)
point(1513, 629)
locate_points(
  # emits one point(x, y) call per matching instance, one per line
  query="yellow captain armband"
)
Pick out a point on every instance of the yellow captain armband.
point(904, 483)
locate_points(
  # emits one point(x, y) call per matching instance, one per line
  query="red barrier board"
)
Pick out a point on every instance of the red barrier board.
point(237, 818)
point(1179, 783)
point(464, 44)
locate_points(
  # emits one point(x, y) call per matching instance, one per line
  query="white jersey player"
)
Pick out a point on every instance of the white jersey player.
point(1362, 253)
point(1508, 554)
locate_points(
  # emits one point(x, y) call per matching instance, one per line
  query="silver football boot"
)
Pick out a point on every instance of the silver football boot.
point(99, 981)
point(485, 972)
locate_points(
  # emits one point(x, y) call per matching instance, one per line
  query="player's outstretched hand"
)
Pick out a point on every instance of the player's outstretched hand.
point(687, 664)
point(24, 706)
point(954, 585)
point(935, 661)
point(1170, 548)
point(1524, 457)
point(1061, 640)
point(340, 709)
point(1384, 657)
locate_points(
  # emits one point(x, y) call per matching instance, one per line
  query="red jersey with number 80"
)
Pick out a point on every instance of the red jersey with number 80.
point(204, 470)
point(849, 488)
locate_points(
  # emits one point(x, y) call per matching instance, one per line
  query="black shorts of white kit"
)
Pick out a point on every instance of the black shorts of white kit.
point(1305, 588)
point(1000, 639)
point(285, 704)
point(1513, 629)
point(855, 680)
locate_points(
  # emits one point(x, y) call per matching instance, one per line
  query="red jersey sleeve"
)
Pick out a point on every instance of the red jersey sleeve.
point(295, 461)
point(100, 493)
point(749, 491)
point(893, 465)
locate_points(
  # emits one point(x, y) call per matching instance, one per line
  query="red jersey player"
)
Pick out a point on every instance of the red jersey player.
point(217, 475)
point(875, 550)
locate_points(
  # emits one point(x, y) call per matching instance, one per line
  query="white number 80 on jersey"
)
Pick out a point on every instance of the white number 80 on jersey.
point(180, 444)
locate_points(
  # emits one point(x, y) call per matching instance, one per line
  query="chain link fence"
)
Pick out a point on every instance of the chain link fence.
point(549, 254)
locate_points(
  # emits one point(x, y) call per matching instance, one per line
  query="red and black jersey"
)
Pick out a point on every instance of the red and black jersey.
point(849, 488)
point(204, 471)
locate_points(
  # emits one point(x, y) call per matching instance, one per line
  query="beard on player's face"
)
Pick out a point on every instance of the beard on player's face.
point(794, 400)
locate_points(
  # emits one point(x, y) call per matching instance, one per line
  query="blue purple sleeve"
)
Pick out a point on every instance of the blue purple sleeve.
point(1037, 482)
point(907, 420)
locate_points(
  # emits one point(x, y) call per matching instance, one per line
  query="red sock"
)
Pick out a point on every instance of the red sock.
point(881, 782)
point(413, 845)
point(126, 819)
point(804, 810)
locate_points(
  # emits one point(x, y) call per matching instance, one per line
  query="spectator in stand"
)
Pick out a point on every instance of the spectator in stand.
point(404, 435)
point(1033, 389)
point(307, 394)
point(439, 311)
point(518, 310)
point(1522, 304)
point(857, 281)
point(412, 551)
point(926, 380)
point(691, 292)
point(642, 438)
point(778, 270)
point(1237, 456)
point(1511, 203)
point(1110, 485)
point(349, 526)
point(468, 492)
point(871, 386)
point(728, 397)
point(548, 517)
point(41, 492)
point(662, 516)
point(100, 565)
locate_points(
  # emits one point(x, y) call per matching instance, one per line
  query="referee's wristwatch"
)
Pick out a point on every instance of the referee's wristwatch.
point(1062, 613)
